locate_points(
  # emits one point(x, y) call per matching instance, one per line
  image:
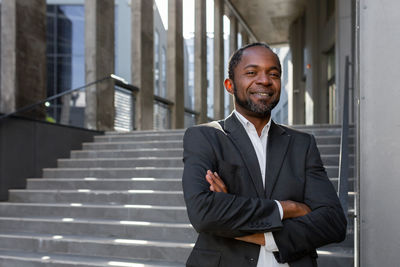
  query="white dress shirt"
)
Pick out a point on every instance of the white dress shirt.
point(266, 257)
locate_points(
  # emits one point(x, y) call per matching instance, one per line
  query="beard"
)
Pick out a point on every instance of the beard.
point(263, 108)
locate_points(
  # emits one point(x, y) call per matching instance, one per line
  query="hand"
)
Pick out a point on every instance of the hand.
point(293, 209)
point(258, 239)
point(216, 183)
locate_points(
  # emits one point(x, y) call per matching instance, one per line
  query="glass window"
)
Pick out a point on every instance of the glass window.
point(156, 63)
point(65, 51)
point(163, 72)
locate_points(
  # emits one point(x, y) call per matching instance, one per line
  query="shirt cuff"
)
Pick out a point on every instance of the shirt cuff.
point(270, 244)
point(280, 208)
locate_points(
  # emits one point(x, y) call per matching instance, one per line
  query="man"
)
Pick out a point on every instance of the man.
point(257, 192)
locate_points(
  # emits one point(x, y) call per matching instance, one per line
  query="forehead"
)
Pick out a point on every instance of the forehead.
point(259, 56)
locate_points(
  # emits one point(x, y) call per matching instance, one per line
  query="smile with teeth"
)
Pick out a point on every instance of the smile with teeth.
point(262, 94)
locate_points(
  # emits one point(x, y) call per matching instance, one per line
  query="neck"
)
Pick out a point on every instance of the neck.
point(259, 121)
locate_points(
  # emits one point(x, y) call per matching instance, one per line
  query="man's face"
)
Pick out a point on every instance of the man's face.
point(257, 82)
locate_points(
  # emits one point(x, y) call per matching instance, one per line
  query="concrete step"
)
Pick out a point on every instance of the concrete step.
point(138, 172)
point(333, 149)
point(351, 181)
point(316, 129)
point(132, 145)
point(174, 184)
point(92, 246)
point(139, 137)
point(121, 162)
point(328, 159)
point(333, 171)
point(9, 258)
point(123, 183)
point(143, 230)
point(331, 140)
point(134, 197)
point(336, 256)
point(166, 172)
point(322, 129)
point(127, 153)
point(151, 213)
point(144, 132)
point(132, 140)
point(334, 159)
point(350, 203)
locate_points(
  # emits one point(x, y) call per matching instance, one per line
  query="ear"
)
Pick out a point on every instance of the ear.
point(228, 83)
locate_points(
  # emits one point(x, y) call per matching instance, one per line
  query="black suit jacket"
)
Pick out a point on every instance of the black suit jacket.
point(294, 171)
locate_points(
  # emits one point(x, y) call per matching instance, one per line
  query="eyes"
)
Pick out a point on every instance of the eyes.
point(273, 74)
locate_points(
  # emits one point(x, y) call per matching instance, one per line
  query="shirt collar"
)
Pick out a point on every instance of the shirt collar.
point(246, 123)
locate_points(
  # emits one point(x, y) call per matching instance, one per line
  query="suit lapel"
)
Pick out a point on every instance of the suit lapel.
point(278, 142)
point(241, 140)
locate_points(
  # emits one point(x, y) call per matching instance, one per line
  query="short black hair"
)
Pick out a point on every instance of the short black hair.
point(237, 57)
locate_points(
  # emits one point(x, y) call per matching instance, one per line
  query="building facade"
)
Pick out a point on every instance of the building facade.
point(335, 46)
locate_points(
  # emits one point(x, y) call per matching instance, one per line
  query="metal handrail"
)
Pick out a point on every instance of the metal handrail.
point(192, 112)
point(163, 100)
point(343, 188)
point(118, 81)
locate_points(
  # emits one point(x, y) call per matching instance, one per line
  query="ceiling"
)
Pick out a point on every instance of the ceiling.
point(269, 19)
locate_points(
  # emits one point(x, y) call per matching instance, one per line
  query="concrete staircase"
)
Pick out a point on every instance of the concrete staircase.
point(328, 141)
point(119, 202)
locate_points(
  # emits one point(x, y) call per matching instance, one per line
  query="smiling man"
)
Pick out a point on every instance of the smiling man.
point(256, 191)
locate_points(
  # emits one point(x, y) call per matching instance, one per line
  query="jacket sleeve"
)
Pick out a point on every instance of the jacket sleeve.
point(326, 223)
point(222, 214)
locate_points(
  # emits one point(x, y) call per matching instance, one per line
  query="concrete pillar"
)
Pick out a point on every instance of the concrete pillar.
point(142, 61)
point(233, 40)
point(218, 60)
point(175, 61)
point(311, 61)
point(200, 61)
point(233, 46)
point(99, 63)
point(23, 55)
point(377, 72)
point(245, 36)
point(296, 37)
point(326, 41)
point(343, 49)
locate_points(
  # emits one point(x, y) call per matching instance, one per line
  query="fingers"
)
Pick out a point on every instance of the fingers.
point(210, 180)
point(216, 183)
point(219, 182)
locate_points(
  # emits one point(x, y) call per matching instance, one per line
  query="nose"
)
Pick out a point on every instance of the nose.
point(264, 79)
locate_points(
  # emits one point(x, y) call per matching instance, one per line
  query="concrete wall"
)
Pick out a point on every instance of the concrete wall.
point(28, 146)
point(379, 130)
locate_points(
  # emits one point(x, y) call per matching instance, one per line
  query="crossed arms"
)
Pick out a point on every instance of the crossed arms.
point(291, 209)
point(212, 209)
